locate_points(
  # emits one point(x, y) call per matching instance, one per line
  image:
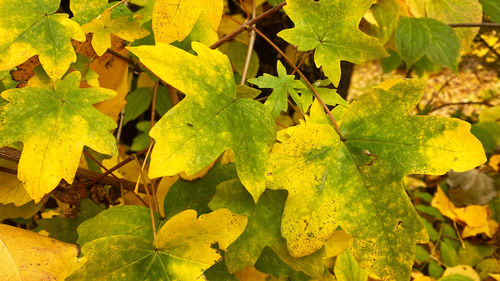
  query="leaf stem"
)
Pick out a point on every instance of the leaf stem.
point(97, 162)
point(247, 25)
point(250, 48)
point(147, 184)
point(480, 24)
point(153, 106)
point(289, 61)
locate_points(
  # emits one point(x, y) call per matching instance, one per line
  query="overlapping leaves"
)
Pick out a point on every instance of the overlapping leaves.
point(119, 245)
point(35, 29)
point(331, 28)
point(210, 119)
point(356, 182)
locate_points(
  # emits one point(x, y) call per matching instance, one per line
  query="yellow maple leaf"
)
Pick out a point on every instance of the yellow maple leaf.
point(173, 20)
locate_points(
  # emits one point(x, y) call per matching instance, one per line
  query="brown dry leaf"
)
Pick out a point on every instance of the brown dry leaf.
point(251, 274)
point(25, 71)
point(472, 187)
point(38, 257)
point(477, 219)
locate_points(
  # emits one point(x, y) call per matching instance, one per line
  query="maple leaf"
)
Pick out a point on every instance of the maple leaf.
point(209, 120)
point(281, 85)
point(263, 229)
point(86, 11)
point(54, 125)
point(184, 247)
point(173, 20)
point(457, 11)
point(35, 29)
point(356, 183)
point(34, 256)
point(418, 37)
point(331, 28)
point(102, 27)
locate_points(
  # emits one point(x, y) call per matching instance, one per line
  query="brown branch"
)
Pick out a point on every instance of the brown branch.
point(480, 24)
point(247, 25)
point(14, 155)
point(290, 62)
point(459, 103)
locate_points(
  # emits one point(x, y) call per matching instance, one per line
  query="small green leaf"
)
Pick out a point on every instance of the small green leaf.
point(492, 9)
point(196, 194)
point(457, 11)
point(347, 269)
point(282, 86)
point(138, 101)
point(416, 37)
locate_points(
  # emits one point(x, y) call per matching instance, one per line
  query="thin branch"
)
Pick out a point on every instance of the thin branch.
point(172, 92)
point(489, 46)
point(289, 61)
point(247, 25)
point(14, 156)
point(119, 133)
point(250, 48)
point(97, 162)
point(459, 103)
point(116, 167)
point(153, 104)
point(148, 194)
point(480, 24)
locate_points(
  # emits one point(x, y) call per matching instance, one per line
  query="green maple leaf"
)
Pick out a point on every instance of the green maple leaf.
point(35, 29)
point(54, 125)
point(282, 85)
point(331, 28)
point(418, 37)
point(210, 119)
point(263, 229)
point(185, 246)
point(356, 183)
point(102, 27)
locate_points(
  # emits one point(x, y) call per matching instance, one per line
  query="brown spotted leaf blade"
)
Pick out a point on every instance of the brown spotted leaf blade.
point(29, 28)
point(356, 183)
point(210, 119)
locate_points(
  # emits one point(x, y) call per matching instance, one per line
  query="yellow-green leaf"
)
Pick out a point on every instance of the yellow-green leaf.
point(184, 247)
point(103, 26)
point(209, 120)
point(54, 125)
point(37, 257)
point(331, 28)
point(35, 29)
point(356, 183)
point(174, 19)
point(11, 189)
